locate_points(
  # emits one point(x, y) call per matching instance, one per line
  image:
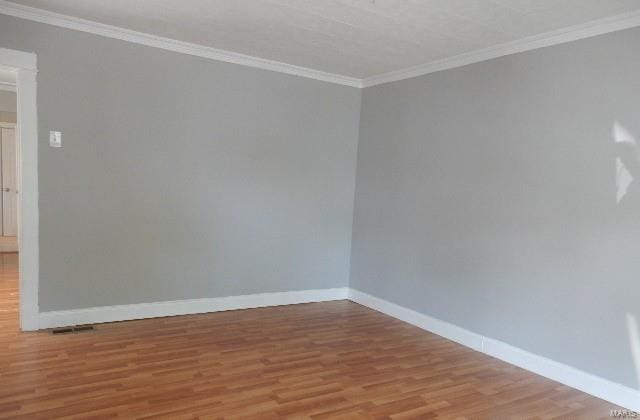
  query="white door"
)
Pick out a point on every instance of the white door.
point(9, 183)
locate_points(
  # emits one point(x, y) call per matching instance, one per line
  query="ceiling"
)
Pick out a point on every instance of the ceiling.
point(356, 38)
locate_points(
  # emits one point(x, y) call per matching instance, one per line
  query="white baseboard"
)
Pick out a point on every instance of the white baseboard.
point(602, 388)
point(615, 393)
point(55, 319)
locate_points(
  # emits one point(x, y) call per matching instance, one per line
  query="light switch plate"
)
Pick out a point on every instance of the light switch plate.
point(55, 139)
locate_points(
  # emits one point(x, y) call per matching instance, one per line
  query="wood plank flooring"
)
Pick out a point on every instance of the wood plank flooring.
point(321, 360)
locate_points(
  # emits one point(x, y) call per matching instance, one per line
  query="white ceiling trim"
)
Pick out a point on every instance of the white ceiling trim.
point(572, 33)
point(70, 22)
point(547, 39)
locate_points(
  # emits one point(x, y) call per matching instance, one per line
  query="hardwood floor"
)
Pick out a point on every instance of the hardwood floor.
point(320, 360)
point(9, 323)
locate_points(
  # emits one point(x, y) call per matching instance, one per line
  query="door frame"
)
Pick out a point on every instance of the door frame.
point(24, 64)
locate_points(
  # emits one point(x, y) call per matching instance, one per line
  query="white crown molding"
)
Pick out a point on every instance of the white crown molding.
point(594, 385)
point(560, 36)
point(69, 22)
point(67, 318)
point(547, 39)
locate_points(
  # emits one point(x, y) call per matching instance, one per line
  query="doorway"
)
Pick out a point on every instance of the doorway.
point(9, 258)
point(19, 270)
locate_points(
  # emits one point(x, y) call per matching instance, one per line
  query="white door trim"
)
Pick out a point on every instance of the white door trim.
point(25, 66)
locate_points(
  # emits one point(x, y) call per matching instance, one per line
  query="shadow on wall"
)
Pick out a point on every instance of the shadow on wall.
point(628, 200)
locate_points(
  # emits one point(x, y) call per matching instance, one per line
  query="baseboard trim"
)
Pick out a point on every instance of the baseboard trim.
point(102, 314)
point(615, 393)
point(602, 388)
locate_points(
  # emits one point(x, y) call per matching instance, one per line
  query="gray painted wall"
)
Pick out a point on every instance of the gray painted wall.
point(486, 197)
point(7, 101)
point(181, 177)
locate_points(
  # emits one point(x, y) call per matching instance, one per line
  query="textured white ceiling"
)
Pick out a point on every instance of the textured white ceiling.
point(358, 38)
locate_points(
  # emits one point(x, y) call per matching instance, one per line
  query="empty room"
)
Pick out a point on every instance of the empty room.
point(320, 209)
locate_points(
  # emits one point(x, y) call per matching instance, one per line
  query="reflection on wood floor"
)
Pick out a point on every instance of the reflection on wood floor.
point(319, 360)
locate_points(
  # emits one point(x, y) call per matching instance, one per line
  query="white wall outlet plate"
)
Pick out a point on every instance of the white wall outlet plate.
point(55, 139)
